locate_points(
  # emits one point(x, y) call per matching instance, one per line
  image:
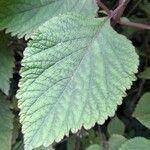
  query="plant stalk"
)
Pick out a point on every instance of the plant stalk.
point(134, 24)
point(103, 6)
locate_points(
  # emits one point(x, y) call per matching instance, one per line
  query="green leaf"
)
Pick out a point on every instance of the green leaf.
point(138, 143)
point(6, 124)
point(20, 146)
point(75, 72)
point(94, 147)
point(145, 74)
point(142, 111)
point(24, 17)
point(116, 141)
point(6, 64)
point(116, 126)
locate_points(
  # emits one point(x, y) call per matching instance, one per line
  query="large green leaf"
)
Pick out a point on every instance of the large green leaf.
point(142, 111)
point(23, 17)
point(138, 143)
point(6, 64)
point(6, 124)
point(75, 72)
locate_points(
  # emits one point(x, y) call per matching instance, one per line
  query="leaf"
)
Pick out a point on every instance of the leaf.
point(23, 17)
point(20, 146)
point(76, 71)
point(142, 111)
point(116, 126)
point(6, 64)
point(116, 141)
point(94, 147)
point(6, 124)
point(138, 143)
point(145, 74)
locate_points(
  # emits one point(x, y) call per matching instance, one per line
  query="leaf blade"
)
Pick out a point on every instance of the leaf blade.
point(74, 64)
point(6, 64)
point(23, 17)
point(142, 112)
point(6, 124)
point(136, 143)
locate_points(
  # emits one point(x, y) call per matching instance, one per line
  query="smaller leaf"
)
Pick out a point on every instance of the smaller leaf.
point(116, 141)
point(142, 111)
point(145, 74)
point(20, 146)
point(138, 143)
point(6, 64)
point(116, 126)
point(23, 17)
point(94, 147)
point(6, 124)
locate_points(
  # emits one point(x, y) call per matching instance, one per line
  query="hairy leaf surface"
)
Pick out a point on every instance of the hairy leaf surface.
point(142, 111)
point(6, 64)
point(75, 72)
point(25, 16)
point(6, 124)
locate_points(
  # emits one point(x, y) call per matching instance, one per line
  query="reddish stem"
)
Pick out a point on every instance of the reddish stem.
point(135, 25)
point(117, 13)
point(103, 6)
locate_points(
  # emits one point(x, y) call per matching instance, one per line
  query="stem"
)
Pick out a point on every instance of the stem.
point(118, 12)
point(103, 6)
point(134, 25)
